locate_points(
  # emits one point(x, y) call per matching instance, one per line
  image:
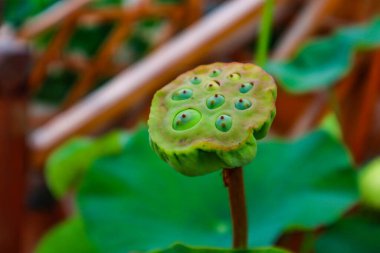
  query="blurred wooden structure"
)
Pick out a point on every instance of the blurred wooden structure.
point(306, 23)
point(359, 108)
point(69, 14)
point(15, 60)
point(355, 99)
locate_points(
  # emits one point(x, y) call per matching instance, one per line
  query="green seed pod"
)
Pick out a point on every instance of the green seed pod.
point(369, 184)
point(215, 124)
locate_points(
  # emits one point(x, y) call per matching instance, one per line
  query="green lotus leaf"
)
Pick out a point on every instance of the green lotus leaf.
point(135, 201)
point(67, 164)
point(207, 119)
point(322, 62)
point(353, 234)
point(69, 236)
point(178, 248)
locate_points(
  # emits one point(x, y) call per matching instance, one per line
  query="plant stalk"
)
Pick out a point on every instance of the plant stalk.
point(265, 33)
point(233, 180)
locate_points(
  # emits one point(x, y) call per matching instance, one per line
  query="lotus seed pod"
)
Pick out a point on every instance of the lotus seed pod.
point(369, 184)
point(209, 118)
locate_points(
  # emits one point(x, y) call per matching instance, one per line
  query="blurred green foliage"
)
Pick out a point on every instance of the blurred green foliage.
point(16, 12)
point(76, 241)
point(67, 165)
point(331, 124)
point(322, 62)
point(86, 40)
point(56, 86)
point(369, 184)
point(353, 234)
point(178, 248)
point(68, 237)
point(310, 183)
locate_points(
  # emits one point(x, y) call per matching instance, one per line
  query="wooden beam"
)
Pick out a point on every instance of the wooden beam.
point(145, 77)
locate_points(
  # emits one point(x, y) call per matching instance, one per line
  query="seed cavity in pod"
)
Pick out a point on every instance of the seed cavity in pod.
point(213, 85)
point(245, 87)
point(215, 73)
point(182, 94)
point(186, 119)
point(243, 104)
point(195, 80)
point(234, 76)
point(215, 101)
point(223, 123)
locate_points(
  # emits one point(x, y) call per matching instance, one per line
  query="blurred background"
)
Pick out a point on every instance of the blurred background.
point(72, 68)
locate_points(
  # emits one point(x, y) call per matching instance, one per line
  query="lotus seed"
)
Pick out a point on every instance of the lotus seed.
point(223, 123)
point(195, 80)
point(245, 87)
point(234, 76)
point(215, 101)
point(213, 85)
point(182, 94)
point(186, 119)
point(215, 73)
point(243, 104)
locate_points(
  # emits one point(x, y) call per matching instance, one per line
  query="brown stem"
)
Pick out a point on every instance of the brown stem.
point(233, 180)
